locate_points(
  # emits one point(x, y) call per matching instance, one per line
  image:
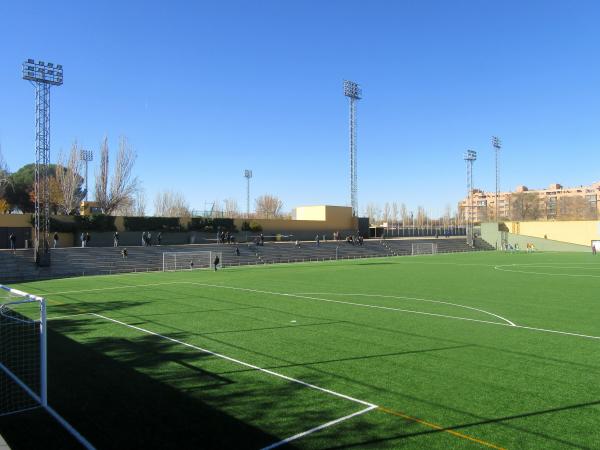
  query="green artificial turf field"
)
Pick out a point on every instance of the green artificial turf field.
point(487, 350)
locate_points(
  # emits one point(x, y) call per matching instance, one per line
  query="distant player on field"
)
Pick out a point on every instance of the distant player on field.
point(216, 262)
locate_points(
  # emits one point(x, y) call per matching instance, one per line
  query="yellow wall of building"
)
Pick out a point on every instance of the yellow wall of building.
point(15, 220)
point(577, 232)
point(335, 216)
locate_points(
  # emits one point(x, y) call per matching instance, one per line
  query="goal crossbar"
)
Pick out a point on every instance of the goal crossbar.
point(191, 260)
point(424, 248)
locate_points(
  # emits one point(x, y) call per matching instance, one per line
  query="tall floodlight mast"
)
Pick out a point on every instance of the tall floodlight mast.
point(86, 156)
point(247, 175)
point(42, 75)
point(354, 93)
point(497, 144)
point(469, 157)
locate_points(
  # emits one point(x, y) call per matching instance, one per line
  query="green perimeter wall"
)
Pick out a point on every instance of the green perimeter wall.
point(491, 234)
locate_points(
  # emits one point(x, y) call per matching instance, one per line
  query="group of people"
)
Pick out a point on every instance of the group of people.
point(259, 240)
point(355, 240)
point(85, 239)
point(225, 237)
point(147, 239)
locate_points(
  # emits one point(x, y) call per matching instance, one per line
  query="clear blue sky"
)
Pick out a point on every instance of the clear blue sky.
point(204, 90)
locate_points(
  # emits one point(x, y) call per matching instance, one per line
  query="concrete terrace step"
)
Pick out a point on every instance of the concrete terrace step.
point(105, 260)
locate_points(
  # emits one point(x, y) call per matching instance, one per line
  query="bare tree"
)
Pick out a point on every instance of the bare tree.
point(231, 209)
point(268, 206)
point(69, 179)
point(421, 216)
point(171, 204)
point(123, 184)
point(447, 216)
point(386, 213)
point(404, 214)
point(525, 206)
point(134, 206)
point(4, 175)
point(373, 212)
point(395, 212)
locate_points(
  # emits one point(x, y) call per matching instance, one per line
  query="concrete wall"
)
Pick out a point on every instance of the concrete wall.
point(580, 232)
point(491, 234)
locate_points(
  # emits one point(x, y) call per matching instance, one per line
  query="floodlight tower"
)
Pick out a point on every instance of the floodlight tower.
point(497, 144)
point(354, 93)
point(86, 156)
point(42, 75)
point(470, 157)
point(247, 175)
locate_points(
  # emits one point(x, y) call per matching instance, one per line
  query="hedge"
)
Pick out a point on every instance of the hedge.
point(152, 223)
point(98, 222)
point(208, 224)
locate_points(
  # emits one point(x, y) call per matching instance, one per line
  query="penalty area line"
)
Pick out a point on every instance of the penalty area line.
point(319, 428)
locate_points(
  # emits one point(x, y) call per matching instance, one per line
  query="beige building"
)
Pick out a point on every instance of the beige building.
point(556, 202)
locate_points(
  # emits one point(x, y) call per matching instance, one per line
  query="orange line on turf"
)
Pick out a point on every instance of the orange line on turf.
point(440, 428)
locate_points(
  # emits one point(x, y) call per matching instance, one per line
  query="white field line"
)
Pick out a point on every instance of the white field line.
point(237, 361)
point(369, 406)
point(545, 330)
point(320, 427)
point(501, 268)
point(403, 310)
point(400, 297)
point(387, 308)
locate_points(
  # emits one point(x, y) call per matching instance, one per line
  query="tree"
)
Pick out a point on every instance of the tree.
point(404, 214)
point(575, 208)
point(4, 177)
point(525, 206)
point(386, 213)
point(171, 204)
point(395, 213)
point(70, 181)
point(373, 212)
point(231, 209)
point(447, 216)
point(268, 206)
point(421, 217)
point(123, 185)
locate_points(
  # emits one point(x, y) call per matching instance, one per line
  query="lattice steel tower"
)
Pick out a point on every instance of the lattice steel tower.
point(42, 76)
point(497, 144)
point(470, 157)
point(354, 93)
point(247, 175)
point(86, 156)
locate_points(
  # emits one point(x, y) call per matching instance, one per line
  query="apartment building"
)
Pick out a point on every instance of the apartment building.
point(553, 203)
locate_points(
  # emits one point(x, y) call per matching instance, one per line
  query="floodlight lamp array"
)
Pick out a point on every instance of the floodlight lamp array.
point(42, 72)
point(470, 155)
point(352, 90)
point(248, 173)
point(496, 142)
point(86, 155)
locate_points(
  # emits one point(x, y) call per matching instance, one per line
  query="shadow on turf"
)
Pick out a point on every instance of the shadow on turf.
point(463, 427)
point(141, 391)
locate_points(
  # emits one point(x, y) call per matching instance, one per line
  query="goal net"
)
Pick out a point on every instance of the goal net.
point(424, 248)
point(22, 351)
point(191, 260)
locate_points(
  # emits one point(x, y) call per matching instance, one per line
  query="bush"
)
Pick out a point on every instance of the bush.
point(208, 224)
point(255, 226)
point(152, 223)
point(252, 226)
point(98, 222)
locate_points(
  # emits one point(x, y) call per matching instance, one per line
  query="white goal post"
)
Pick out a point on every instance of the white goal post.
point(23, 366)
point(191, 260)
point(424, 248)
